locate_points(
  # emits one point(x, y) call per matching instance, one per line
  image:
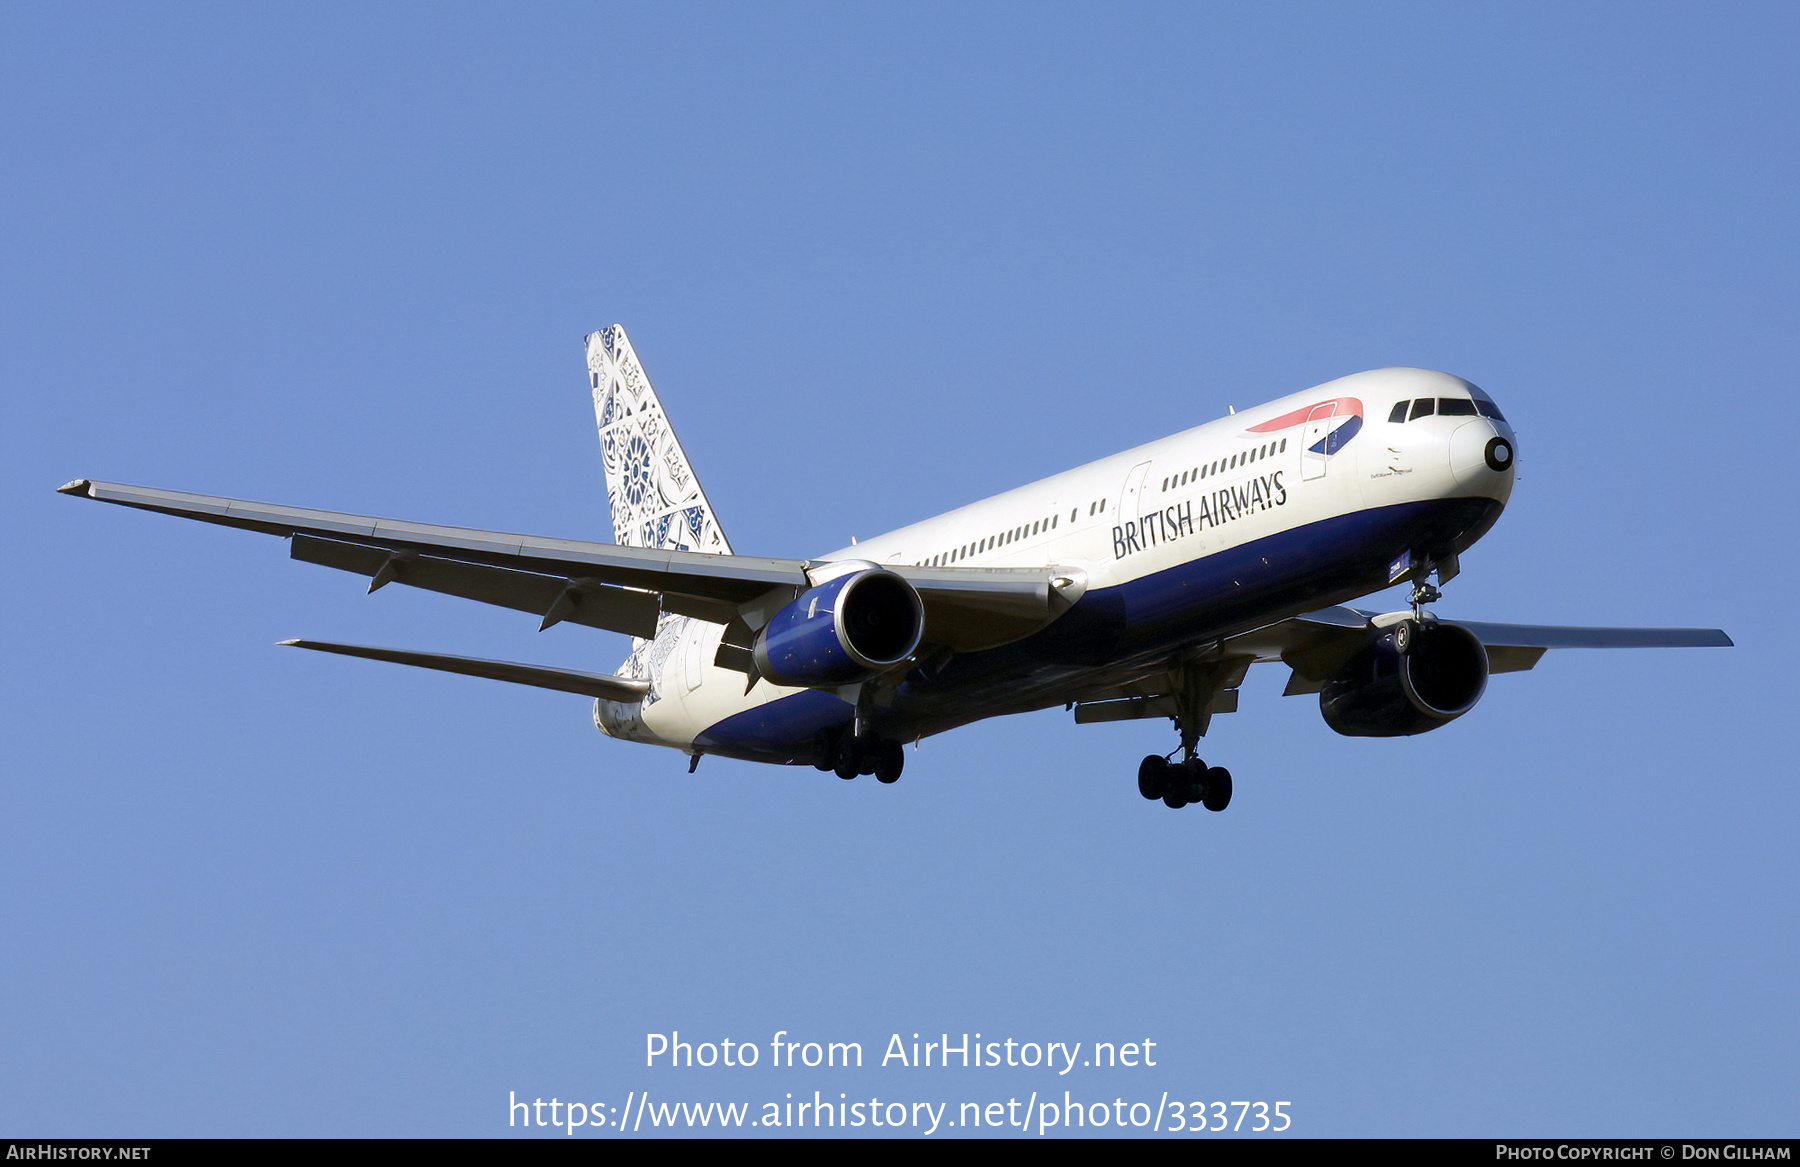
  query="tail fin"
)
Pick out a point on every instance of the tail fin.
point(656, 499)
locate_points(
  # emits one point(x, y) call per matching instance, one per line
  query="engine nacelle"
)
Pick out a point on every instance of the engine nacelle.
point(1383, 692)
point(843, 631)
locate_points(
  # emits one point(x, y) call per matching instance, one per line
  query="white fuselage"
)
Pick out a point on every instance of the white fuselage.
point(1236, 481)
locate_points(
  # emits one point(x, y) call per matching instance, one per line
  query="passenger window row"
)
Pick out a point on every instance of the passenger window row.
point(1444, 407)
point(1224, 464)
point(1025, 531)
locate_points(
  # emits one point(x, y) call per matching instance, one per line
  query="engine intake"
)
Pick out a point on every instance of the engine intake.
point(843, 631)
point(1383, 692)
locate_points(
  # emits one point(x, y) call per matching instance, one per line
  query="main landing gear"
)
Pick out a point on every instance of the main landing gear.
point(1197, 686)
point(848, 755)
point(1189, 780)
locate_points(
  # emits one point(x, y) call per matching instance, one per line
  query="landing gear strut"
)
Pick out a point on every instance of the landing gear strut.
point(1191, 779)
point(1422, 593)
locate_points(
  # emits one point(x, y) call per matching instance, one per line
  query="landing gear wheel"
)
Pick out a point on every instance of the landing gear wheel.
point(847, 764)
point(1175, 797)
point(868, 752)
point(824, 749)
point(1191, 777)
point(1218, 789)
point(1153, 776)
point(890, 759)
point(1403, 637)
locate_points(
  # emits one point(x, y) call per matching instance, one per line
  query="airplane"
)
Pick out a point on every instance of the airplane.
point(1142, 585)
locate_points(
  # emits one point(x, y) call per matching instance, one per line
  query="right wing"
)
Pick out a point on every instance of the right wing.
point(603, 685)
point(603, 585)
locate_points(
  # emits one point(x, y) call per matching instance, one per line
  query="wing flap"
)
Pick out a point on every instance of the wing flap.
point(601, 685)
point(579, 601)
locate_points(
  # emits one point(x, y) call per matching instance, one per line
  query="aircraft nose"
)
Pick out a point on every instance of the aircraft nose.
point(1481, 455)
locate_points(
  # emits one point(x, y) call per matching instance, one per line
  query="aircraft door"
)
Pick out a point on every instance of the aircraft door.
point(1313, 436)
point(693, 662)
point(1131, 498)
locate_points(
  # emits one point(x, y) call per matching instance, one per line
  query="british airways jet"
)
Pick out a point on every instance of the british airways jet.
point(1143, 585)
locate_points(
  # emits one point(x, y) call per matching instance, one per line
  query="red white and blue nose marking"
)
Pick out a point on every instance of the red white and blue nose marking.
point(1341, 418)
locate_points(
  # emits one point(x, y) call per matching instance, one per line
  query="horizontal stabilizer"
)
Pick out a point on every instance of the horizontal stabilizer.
point(602, 685)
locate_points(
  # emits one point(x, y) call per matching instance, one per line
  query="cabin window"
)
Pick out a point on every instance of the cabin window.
point(1399, 413)
point(1423, 407)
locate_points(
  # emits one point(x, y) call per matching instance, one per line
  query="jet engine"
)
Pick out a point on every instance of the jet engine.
point(843, 631)
point(1418, 676)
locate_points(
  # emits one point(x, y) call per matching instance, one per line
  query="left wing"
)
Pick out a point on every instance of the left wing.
point(1316, 645)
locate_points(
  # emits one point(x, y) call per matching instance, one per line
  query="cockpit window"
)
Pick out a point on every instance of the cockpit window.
point(1489, 409)
point(1456, 407)
point(1423, 407)
point(1399, 413)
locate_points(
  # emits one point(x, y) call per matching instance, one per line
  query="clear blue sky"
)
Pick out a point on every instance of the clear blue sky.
point(880, 262)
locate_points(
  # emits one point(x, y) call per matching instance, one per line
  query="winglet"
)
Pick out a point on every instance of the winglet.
point(79, 486)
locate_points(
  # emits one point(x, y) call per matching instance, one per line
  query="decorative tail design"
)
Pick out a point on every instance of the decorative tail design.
point(656, 499)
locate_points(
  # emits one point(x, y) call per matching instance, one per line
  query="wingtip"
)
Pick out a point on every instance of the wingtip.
point(289, 644)
point(79, 486)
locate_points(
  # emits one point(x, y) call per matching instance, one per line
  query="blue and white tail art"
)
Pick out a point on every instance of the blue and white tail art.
point(1142, 585)
point(656, 499)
